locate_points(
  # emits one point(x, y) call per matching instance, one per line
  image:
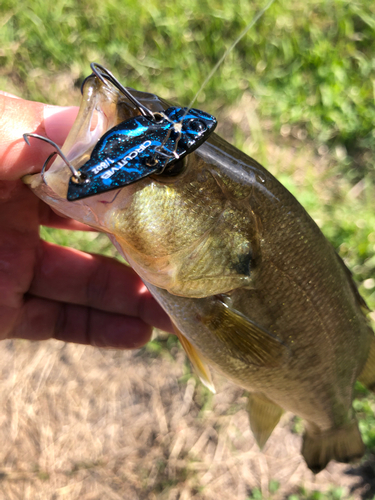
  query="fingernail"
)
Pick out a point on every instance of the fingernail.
point(58, 121)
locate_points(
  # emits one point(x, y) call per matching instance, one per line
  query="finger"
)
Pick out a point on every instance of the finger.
point(61, 223)
point(67, 275)
point(58, 121)
point(41, 319)
point(20, 116)
point(52, 218)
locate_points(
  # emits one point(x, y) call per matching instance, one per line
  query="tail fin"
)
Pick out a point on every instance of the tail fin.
point(344, 445)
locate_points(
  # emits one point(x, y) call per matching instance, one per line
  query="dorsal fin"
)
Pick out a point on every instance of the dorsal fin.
point(353, 286)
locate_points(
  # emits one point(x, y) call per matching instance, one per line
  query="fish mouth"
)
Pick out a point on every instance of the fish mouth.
point(102, 107)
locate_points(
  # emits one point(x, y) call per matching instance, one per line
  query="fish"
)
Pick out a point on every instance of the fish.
point(252, 286)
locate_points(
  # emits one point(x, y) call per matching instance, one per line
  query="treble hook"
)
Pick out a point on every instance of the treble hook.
point(158, 116)
point(77, 176)
point(42, 172)
point(105, 73)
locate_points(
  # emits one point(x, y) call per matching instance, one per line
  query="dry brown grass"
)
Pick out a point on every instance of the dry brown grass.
point(79, 422)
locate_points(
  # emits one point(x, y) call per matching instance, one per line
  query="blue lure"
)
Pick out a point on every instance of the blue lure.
point(140, 147)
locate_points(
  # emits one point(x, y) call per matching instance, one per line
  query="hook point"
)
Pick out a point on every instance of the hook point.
point(26, 139)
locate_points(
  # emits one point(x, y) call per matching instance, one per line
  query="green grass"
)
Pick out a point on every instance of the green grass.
point(332, 494)
point(310, 63)
point(301, 494)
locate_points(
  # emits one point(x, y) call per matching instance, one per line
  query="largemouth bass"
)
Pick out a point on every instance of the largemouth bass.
point(251, 284)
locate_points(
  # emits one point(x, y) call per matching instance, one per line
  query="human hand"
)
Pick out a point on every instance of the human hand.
point(47, 291)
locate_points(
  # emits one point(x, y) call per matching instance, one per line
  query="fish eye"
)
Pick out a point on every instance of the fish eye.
point(176, 168)
point(173, 171)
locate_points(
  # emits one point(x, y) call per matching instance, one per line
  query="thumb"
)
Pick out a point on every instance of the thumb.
point(20, 116)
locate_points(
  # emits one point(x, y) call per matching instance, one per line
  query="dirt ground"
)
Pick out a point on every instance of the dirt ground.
point(79, 422)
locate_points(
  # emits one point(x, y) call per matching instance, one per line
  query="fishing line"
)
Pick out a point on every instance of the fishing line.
point(214, 70)
point(227, 52)
point(161, 150)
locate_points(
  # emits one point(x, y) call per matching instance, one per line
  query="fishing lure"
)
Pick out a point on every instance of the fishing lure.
point(139, 147)
point(136, 148)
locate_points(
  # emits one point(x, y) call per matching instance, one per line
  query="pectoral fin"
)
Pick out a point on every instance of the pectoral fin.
point(264, 416)
point(243, 338)
point(197, 360)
